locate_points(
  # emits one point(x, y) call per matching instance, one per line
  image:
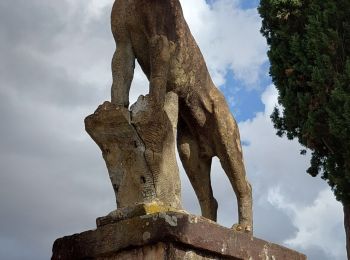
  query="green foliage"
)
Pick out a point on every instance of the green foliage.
point(310, 66)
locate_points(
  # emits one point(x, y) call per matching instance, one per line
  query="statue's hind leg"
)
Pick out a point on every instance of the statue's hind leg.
point(197, 167)
point(229, 151)
point(123, 62)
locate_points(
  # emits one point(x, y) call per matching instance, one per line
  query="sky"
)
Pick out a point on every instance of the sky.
point(55, 71)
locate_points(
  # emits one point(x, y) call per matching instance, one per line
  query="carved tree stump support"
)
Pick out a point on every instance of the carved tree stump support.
point(138, 147)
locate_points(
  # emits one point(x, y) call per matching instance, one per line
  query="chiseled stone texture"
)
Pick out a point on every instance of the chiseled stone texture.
point(160, 251)
point(138, 147)
point(168, 235)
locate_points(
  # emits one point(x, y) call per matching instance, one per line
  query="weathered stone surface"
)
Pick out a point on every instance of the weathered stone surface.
point(139, 209)
point(162, 251)
point(152, 235)
point(157, 35)
point(138, 147)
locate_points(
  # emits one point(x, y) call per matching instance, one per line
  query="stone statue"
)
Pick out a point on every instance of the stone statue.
point(156, 34)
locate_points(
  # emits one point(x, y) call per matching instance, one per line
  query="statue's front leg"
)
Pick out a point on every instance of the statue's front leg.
point(123, 65)
point(160, 53)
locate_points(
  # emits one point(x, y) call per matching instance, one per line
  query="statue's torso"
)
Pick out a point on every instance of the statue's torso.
point(188, 75)
point(143, 20)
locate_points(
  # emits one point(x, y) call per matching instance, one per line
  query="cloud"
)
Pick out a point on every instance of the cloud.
point(308, 214)
point(317, 224)
point(96, 7)
point(224, 26)
point(269, 156)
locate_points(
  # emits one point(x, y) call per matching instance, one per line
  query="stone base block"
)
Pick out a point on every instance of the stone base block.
point(167, 235)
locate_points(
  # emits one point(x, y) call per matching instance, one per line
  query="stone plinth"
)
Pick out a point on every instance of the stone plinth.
point(167, 235)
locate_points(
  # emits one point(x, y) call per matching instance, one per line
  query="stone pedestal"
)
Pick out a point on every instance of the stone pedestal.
point(167, 235)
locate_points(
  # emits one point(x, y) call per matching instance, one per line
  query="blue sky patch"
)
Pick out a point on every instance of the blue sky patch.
point(249, 4)
point(243, 4)
point(245, 101)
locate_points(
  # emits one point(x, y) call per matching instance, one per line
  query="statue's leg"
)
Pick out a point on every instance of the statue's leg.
point(197, 168)
point(229, 151)
point(123, 65)
point(160, 53)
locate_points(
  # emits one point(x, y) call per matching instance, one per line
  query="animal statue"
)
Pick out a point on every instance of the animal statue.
point(155, 33)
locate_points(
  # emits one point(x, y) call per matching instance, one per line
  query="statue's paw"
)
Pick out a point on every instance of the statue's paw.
point(242, 228)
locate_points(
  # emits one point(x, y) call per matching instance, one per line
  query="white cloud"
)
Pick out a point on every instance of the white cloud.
point(273, 159)
point(229, 38)
point(317, 224)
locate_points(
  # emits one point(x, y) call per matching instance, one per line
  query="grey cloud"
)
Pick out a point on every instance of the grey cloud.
point(272, 224)
point(52, 181)
point(317, 253)
point(32, 33)
point(31, 23)
point(45, 198)
point(37, 79)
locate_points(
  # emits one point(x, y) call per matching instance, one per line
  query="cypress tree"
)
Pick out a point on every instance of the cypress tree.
point(310, 66)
